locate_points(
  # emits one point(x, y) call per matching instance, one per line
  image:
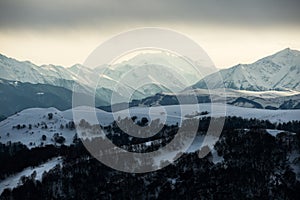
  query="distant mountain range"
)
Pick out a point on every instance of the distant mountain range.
point(152, 67)
point(24, 84)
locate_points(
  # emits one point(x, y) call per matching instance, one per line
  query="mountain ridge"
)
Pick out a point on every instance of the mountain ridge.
point(141, 68)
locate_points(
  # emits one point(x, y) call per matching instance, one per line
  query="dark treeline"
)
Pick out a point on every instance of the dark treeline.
point(167, 132)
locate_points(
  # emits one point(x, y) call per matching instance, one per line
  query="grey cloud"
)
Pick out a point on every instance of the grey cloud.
point(31, 14)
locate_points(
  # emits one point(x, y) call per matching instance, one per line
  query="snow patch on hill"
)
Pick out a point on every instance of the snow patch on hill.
point(14, 180)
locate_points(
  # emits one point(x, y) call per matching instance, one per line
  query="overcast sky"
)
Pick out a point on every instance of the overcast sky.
point(65, 32)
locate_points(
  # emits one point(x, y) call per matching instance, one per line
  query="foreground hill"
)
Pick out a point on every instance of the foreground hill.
point(249, 161)
point(29, 126)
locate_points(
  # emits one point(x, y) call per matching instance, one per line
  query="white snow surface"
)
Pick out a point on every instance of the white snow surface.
point(274, 132)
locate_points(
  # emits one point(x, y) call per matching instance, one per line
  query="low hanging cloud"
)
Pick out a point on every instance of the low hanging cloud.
point(36, 14)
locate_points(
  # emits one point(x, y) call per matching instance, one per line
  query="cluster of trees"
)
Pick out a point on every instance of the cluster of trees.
point(70, 125)
point(58, 138)
point(50, 116)
point(22, 126)
point(292, 126)
point(19, 126)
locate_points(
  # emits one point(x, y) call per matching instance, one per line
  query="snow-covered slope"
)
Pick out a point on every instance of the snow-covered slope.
point(30, 125)
point(36, 119)
point(14, 180)
point(276, 72)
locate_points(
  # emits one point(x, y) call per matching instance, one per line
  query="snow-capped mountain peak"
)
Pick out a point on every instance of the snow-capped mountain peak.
point(279, 71)
point(285, 58)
